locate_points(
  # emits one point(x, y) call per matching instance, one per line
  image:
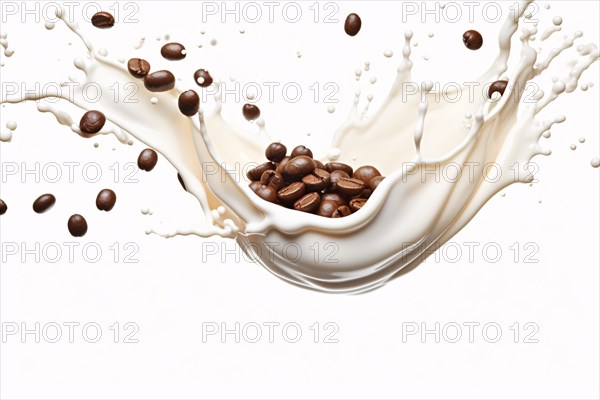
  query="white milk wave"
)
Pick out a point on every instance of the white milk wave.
point(409, 213)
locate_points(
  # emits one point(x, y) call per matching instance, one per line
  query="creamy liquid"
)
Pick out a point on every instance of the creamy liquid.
point(413, 211)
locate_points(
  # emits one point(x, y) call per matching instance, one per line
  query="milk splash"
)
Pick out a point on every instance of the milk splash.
point(412, 209)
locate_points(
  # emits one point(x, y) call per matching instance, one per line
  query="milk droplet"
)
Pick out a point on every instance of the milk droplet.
point(49, 25)
point(213, 42)
point(154, 100)
point(334, 153)
point(221, 210)
point(242, 31)
point(430, 34)
point(581, 140)
point(388, 53)
point(96, 145)
point(331, 109)
point(103, 52)
point(573, 147)
point(146, 211)
point(298, 54)
point(547, 134)
point(12, 125)
point(557, 20)
point(595, 162)
point(373, 80)
point(6, 136)
point(3, 35)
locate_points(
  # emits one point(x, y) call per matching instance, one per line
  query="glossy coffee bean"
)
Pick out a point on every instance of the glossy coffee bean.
point(92, 122)
point(298, 167)
point(335, 197)
point(366, 173)
point(77, 225)
point(251, 112)
point(44, 203)
point(498, 86)
point(103, 20)
point(341, 211)
point(335, 176)
point(272, 178)
point(159, 81)
point(275, 152)
point(106, 199)
point(254, 186)
point(3, 207)
point(472, 40)
point(320, 165)
point(256, 173)
point(138, 67)
point(291, 193)
point(327, 208)
point(281, 165)
point(203, 78)
point(189, 103)
point(375, 182)
point(147, 160)
point(267, 193)
point(317, 181)
point(301, 151)
point(365, 194)
point(334, 166)
point(173, 51)
point(308, 203)
point(350, 187)
point(357, 203)
point(352, 24)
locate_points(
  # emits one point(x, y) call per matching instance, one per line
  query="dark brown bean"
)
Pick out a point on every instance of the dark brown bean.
point(106, 199)
point(335, 197)
point(350, 187)
point(189, 103)
point(173, 51)
point(352, 25)
point(281, 165)
point(77, 225)
point(298, 167)
point(308, 203)
point(320, 165)
point(327, 208)
point(301, 151)
point(472, 40)
point(341, 211)
point(44, 203)
point(159, 81)
point(365, 194)
point(251, 112)
point(255, 173)
point(272, 178)
point(147, 160)
point(138, 67)
point(317, 180)
point(91, 122)
point(203, 78)
point(103, 20)
point(291, 193)
point(357, 203)
point(366, 173)
point(268, 193)
point(498, 86)
point(3, 207)
point(254, 186)
point(335, 176)
point(375, 182)
point(275, 152)
point(334, 166)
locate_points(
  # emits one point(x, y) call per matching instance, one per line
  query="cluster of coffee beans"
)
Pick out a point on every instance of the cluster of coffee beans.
point(300, 182)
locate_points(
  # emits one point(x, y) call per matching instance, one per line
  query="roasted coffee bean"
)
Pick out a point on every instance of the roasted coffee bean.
point(352, 25)
point(308, 203)
point(91, 122)
point(268, 193)
point(291, 193)
point(203, 78)
point(44, 203)
point(350, 187)
point(317, 180)
point(138, 68)
point(255, 173)
point(251, 112)
point(334, 166)
point(335, 197)
point(335, 176)
point(272, 178)
point(254, 186)
point(341, 211)
point(301, 151)
point(180, 179)
point(3, 207)
point(147, 160)
point(189, 103)
point(498, 86)
point(375, 181)
point(159, 81)
point(173, 51)
point(275, 152)
point(281, 165)
point(77, 225)
point(320, 165)
point(103, 20)
point(298, 167)
point(365, 194)
point(357, 203)
point(473, 40)
point(365, 174)
point(106, 199)
point(327, 208)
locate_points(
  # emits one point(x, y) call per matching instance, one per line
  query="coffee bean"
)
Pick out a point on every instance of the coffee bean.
point(335, 197)
point(203, 78)
point(189, 103)
point(350, 187)
point(281, 165)
point(327, 208)
point(473, 40)
point(365, 194)
point(91, 122)
point(298, 167)
point(255, 173)
point(159, 81)
point(301, 151)
point(366, 173)
point(147, 160)
point(251, 112)
point(353, 24)
point(103, 20)
point(317, 180)
point(173, 51)
point(375, 181)
point(138, 67)
point(275, 152)
point(268, 193)
point(77, 225)
point(334, 166)
point(291, 193)
point(335, 176)
point(320, 165)
point(357, 203)
point(106, 199)
point(308, 203)
point(44, 203)
point(498, 86)
point(341, 211)
point(3, 207)
point(272, 178)
point(180, 179)
point(254, 186)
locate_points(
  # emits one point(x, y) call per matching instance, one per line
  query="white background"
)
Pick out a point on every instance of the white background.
point(176, 287)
